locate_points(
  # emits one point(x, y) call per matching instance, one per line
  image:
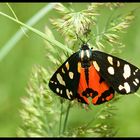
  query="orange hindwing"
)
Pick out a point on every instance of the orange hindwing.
point(95, 87)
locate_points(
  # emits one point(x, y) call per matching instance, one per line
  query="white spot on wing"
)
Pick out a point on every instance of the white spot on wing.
point(111, 70)
point(60, 79)
point(82, 54)
point(68, 93)
point(118, 63)
point(137, 80)
point(96, 66)
point(134, 73)
point(110, 60)
point(53, 82)
point(57, 90)
point(127, 71)
point(61, 91)
point(134, 83)
point(71, 74)
point(63, 70)
point(125, 86)
point(87, 53)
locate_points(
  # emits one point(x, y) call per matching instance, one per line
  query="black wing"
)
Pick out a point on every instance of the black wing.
point(121, 75)
point(65, 80)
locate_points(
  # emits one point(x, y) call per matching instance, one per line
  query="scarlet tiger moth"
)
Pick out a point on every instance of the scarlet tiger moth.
point(94, 74)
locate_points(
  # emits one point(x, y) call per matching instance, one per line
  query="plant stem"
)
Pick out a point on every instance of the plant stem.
point(66, 118)
point(10, 44)
point(19, 34)
point(15, 16)
point(94, 118)
point(137, 95)
point(60, 118)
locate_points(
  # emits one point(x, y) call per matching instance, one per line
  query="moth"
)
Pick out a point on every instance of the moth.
point(91, 73)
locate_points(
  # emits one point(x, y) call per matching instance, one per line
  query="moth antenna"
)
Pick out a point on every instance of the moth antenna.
point(83, 42)
point(87, 41)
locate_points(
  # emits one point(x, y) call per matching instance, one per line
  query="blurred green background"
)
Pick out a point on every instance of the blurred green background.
point(15, 68)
